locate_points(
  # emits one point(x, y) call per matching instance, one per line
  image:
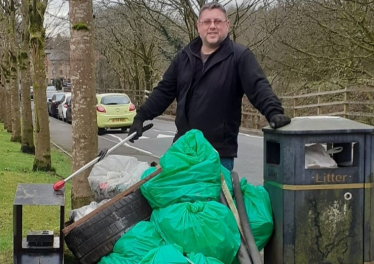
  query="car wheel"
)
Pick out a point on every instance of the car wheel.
point(124, 129)
point(101, 131)
point(96, 237)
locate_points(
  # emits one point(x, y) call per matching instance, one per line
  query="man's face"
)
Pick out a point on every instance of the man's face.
point(212, 34)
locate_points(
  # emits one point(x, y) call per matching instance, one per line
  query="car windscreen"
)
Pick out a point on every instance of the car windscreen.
point(59, 97)
point(115, 100)
point(50, 94)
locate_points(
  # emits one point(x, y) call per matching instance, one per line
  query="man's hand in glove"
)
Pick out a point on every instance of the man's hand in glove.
point(137, 126)
point(279, 120)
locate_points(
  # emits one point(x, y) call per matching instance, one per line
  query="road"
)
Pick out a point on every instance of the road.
point(157, 140)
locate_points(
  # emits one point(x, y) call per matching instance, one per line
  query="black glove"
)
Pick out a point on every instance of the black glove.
point(279, 120)
point(137, 126)
point(102, 154)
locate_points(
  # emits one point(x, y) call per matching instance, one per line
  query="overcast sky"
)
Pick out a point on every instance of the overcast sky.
point(56, 18)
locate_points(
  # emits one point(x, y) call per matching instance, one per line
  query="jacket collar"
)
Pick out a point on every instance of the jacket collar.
point(224, 49)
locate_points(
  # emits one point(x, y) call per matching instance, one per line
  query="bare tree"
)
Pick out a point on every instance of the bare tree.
point(82, 64)
point(14, 91)
point(27, 145)
point(42, 159)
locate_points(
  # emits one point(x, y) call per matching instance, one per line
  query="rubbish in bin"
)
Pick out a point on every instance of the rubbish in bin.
point(191, 172)
point(205, 227)
point(316, 156)
point(259, 211)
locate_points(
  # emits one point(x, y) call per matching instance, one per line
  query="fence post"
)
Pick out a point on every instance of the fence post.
point(346, 98)
point(319, 101)
point(294, 105)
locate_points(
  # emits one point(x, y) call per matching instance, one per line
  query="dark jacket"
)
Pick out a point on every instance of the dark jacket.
point(209, 97)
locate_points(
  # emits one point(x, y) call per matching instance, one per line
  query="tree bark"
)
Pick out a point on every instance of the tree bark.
point(6, 75)
point(85, 143)
point(27, 145)
point(14, 98)
point(42, 159)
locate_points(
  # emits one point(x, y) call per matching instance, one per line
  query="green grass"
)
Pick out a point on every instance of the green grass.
point(15, 168)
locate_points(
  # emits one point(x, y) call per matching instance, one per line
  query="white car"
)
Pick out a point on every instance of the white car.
point(63, 107)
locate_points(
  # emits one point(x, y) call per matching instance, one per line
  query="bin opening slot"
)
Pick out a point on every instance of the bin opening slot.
point(331, 155)
point(272, 152)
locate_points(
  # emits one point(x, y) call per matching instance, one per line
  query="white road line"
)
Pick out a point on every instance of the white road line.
point(165, 131)
point(129, 146)
point(119, 139)
point(250, 135)
point(164, 136)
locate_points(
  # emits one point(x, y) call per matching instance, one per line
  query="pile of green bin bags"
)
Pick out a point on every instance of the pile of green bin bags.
point(188, 224)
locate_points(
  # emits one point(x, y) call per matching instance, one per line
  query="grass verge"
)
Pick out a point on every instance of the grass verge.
point(15, 168)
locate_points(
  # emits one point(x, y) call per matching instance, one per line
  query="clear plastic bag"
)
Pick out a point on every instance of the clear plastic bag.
point(76, 214)
point(316, 156)
point(114, 174)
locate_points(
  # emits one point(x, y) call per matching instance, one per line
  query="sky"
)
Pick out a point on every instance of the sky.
point(56, 18)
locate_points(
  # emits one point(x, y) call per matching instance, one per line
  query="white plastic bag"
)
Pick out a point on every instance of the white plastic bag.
point(76, 214)
point(114, 174)
point(316, 156)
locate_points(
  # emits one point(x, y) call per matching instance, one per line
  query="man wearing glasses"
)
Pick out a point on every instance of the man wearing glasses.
point(209, 78)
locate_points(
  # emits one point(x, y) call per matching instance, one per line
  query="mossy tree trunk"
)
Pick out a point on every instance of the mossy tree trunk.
point(2, 93)
point(27, 145)
point(42, 159)
point(82, 65)
point(14, 93)
point(6, 75)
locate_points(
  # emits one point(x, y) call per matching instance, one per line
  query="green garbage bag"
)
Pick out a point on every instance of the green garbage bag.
point(259, 212)
point(168, 254)
point(191, 172)
point(205, 227)
point(138, 241)
point(114, 258)
point(201, 259)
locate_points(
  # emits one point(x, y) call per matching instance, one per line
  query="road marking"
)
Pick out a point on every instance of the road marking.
point(167, 131)
point(250, 135)
point(129, 146)
point(119, 139)
point(164, 136)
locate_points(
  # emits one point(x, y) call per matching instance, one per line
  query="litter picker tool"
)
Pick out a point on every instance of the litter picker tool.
point(60, 184)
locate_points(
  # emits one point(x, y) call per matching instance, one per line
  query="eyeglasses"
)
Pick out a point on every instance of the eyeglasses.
point(216, 22)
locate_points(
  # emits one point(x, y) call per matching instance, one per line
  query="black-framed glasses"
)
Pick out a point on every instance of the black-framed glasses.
point(216, 22)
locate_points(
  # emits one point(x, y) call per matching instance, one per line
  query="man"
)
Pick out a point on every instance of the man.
point(208, 79)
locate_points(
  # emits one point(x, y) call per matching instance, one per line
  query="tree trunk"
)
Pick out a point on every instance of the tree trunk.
point(85, 144)
point(16, 121)
point(6, 75)
point(2, 94)
point(42, 159)
point(27, 145)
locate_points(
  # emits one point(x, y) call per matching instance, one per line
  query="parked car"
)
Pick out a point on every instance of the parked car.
point(68, 118)
point(62, 107)
point(53, 103)
point(114, 110)
point(31, 92)
point(51, 90)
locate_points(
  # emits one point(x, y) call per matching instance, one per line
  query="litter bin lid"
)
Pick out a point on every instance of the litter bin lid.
point(321, 125)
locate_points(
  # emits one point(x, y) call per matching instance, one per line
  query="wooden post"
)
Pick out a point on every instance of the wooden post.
point(346, 98)
point(319, 101)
